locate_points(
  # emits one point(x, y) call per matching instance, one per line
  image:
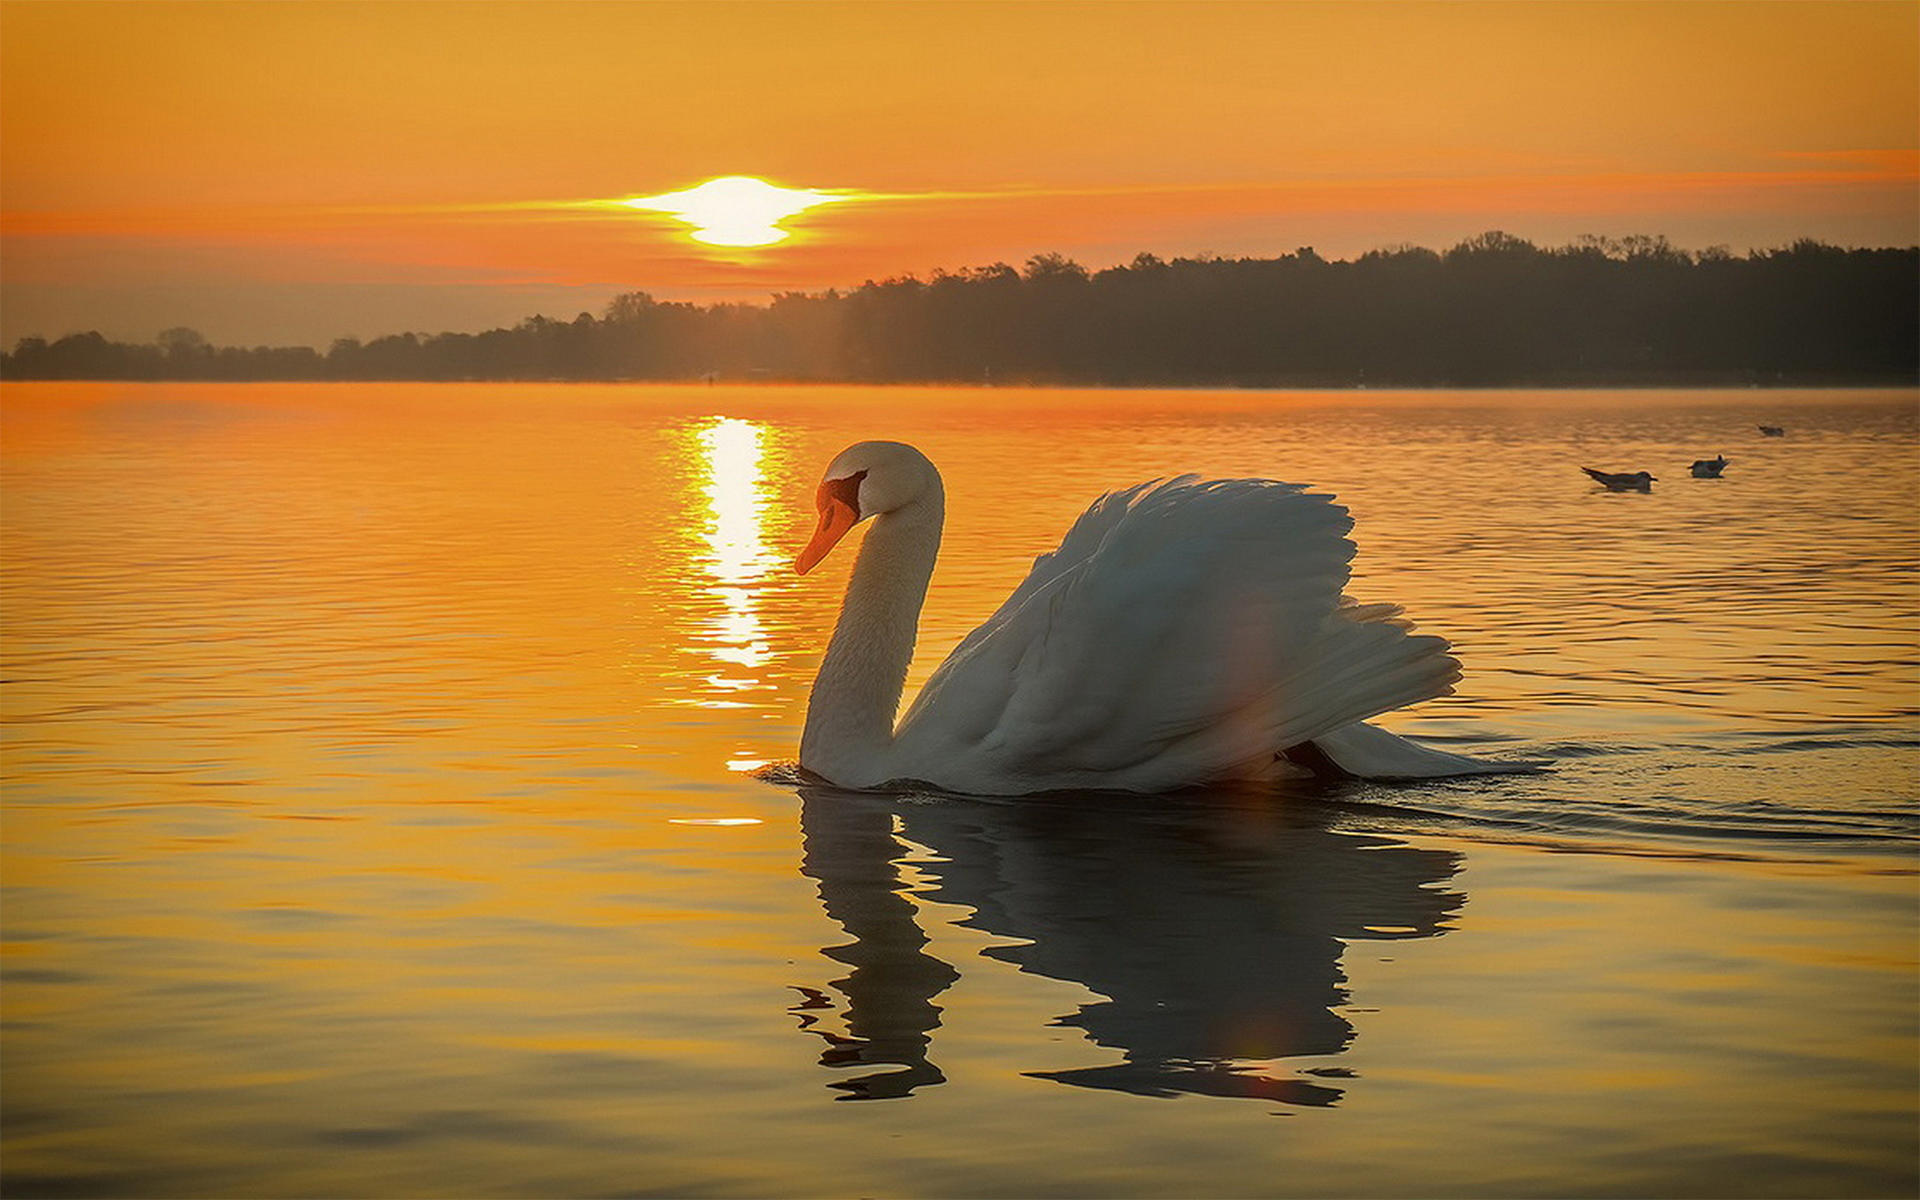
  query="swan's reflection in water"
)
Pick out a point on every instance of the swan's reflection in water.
point(1213, 931)
point(850, 848)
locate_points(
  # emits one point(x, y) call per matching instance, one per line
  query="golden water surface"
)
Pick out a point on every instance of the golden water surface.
point(381, 814)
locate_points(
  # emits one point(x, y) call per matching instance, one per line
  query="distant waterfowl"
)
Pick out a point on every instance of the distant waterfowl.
point(1639, 481)
point(1773, 431)
point(1710, 468)
point(1183, 632)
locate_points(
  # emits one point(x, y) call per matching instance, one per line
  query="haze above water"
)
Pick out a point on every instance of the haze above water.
point(380, 817)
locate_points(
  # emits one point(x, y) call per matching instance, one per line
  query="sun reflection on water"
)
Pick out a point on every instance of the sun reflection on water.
point(736, 556)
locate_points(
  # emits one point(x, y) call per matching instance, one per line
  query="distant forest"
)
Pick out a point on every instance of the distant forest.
point(1492, 311)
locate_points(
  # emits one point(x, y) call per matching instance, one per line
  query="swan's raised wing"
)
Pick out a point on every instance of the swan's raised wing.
point(1082, 540)
point(1182, 631)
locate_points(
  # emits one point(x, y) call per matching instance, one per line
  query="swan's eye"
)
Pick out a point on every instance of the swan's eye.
point(846, 491)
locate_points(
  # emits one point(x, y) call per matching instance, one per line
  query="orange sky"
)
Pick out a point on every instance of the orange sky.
point(296, 171)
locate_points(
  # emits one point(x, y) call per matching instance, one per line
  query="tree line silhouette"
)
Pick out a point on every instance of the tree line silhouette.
point(1493, 310)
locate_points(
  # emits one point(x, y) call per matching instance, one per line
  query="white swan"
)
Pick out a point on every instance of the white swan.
point(1183, 632)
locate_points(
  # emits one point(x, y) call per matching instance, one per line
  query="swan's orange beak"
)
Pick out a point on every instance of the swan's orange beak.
point(836, 517)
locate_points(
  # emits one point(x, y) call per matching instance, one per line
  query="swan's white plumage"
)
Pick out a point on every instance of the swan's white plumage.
point(1184, 631)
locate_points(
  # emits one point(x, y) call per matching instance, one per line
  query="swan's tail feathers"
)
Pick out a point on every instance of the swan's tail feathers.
point(1366, 661)
point(1370, 752)
point(1363, 663)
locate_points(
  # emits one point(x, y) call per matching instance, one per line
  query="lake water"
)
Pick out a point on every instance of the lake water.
point(381, 815)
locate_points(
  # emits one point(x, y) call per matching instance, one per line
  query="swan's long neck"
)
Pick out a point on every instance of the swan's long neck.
point(856, 695)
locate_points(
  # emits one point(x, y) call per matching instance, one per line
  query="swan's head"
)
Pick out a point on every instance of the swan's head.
point(865, 480)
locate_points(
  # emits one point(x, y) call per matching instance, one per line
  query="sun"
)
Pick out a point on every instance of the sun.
point(736, 210)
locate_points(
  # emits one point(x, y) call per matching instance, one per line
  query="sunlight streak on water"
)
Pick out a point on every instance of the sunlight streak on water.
point(737, 556)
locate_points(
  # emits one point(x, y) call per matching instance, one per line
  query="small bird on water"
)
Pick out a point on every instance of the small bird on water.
point(1639, 481)
point(1772, 431)
point(1710, 468)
